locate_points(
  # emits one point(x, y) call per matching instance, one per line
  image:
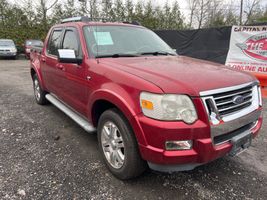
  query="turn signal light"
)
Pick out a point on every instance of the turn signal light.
point(147, 104)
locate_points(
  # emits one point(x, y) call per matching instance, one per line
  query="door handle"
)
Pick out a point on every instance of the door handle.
point(43, 59)
point(61, 67)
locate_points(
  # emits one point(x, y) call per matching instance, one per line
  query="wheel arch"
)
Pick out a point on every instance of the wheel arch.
point(106, 99)
point(33, 72)
point(36, 70)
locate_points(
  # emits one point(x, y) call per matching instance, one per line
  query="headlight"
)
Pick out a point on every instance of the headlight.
point(13, 50)
point(168, 107)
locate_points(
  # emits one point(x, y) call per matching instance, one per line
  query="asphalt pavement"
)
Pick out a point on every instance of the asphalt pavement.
point(45, 155)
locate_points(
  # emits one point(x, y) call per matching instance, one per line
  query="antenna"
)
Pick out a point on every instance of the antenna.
point(97, 42)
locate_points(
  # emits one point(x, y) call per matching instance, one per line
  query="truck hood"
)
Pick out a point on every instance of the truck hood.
point(180, 74)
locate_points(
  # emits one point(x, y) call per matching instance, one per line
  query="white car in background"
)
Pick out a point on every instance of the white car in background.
point(8, 49)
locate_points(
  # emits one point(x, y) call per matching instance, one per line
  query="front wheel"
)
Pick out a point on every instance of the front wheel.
point(118, 146)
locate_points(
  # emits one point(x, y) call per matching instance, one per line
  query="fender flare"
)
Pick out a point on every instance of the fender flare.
point(36, 67)
point(124, 102)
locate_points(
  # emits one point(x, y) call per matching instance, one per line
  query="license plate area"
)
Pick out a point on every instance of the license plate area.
point(240, 143)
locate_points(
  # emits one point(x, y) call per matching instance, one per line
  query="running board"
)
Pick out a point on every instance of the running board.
point(77, 118)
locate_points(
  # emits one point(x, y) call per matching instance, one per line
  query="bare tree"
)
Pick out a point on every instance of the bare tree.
point(45, 7)
point(214, 13)
point(42, 7)
point(192, 7)
point(251, 7)
point(107, 10)
point(232, 16)
point(211, 13)
point(90, 7)
point(202, 11)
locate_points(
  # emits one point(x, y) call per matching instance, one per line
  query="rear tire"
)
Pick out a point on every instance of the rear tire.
point(39, 93)
point(118, 146)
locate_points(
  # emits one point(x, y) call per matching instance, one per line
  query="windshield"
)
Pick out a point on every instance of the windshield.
point(6, 43)
point(34, 43)
point(116, 41)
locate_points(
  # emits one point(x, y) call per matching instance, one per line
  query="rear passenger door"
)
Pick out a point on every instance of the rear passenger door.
point(75, 74)
point(52, 74)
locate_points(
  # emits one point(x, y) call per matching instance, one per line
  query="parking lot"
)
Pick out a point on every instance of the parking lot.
point(45, 155)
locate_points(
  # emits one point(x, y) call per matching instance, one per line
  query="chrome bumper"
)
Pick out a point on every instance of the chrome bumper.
point(228, 127)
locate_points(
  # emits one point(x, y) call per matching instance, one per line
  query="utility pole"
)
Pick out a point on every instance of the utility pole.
point(241, 13)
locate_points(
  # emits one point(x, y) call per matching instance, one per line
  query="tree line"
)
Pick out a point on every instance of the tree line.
point(216, 13)
point(31, 19)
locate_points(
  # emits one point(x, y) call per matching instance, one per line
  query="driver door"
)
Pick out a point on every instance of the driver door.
point(74, 83)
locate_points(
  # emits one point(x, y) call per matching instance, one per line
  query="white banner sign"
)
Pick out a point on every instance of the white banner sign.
point(248, 49)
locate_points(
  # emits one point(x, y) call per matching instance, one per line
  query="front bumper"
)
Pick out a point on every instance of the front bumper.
point(7, 54)
point(204, 149)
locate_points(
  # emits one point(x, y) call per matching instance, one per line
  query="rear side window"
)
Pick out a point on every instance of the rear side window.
point(54, 43)
point(71, 41)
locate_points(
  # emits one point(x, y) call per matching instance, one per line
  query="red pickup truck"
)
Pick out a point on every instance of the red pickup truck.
point(150, 106)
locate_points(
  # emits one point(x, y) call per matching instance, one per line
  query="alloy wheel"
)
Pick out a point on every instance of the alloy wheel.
point(112, 145)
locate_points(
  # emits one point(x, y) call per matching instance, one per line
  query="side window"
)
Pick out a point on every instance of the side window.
point(70, 41)
point(54, 42)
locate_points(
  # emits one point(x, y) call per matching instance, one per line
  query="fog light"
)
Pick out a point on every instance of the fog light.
point(179, 145)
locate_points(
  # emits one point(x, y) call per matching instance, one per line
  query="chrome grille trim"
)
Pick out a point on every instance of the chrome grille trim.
point(223, 100)
point(227, 102)
point(227, 89)
point(234, 94)
point(231, 107)
point(224, 114)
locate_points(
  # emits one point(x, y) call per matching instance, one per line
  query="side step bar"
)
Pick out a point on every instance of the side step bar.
point(77, 118)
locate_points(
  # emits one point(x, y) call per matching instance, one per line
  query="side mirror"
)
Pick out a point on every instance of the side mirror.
point(68, 56)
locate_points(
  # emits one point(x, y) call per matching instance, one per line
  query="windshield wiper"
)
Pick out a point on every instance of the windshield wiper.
point(117, 55)
point(156, 53)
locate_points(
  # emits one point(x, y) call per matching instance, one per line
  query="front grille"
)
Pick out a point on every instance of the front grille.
point(4, 50)
point(231, 110)
point(225, 100)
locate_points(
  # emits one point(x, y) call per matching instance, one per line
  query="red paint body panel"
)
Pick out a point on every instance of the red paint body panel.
point(121, 80)
point(203, 150)
point(173, 74)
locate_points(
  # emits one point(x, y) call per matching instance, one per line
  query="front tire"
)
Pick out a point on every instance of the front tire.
point(118, 146)
point(39, 93)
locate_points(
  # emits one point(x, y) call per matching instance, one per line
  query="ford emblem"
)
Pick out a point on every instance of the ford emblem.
point(238, 100)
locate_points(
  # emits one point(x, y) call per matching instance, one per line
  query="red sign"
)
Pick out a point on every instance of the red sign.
point(255, 47)
point(248, 49)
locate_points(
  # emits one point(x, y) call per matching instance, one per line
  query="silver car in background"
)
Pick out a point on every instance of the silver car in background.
point(8, 49)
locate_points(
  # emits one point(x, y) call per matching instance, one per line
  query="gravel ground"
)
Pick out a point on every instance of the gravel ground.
point(45, 155)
